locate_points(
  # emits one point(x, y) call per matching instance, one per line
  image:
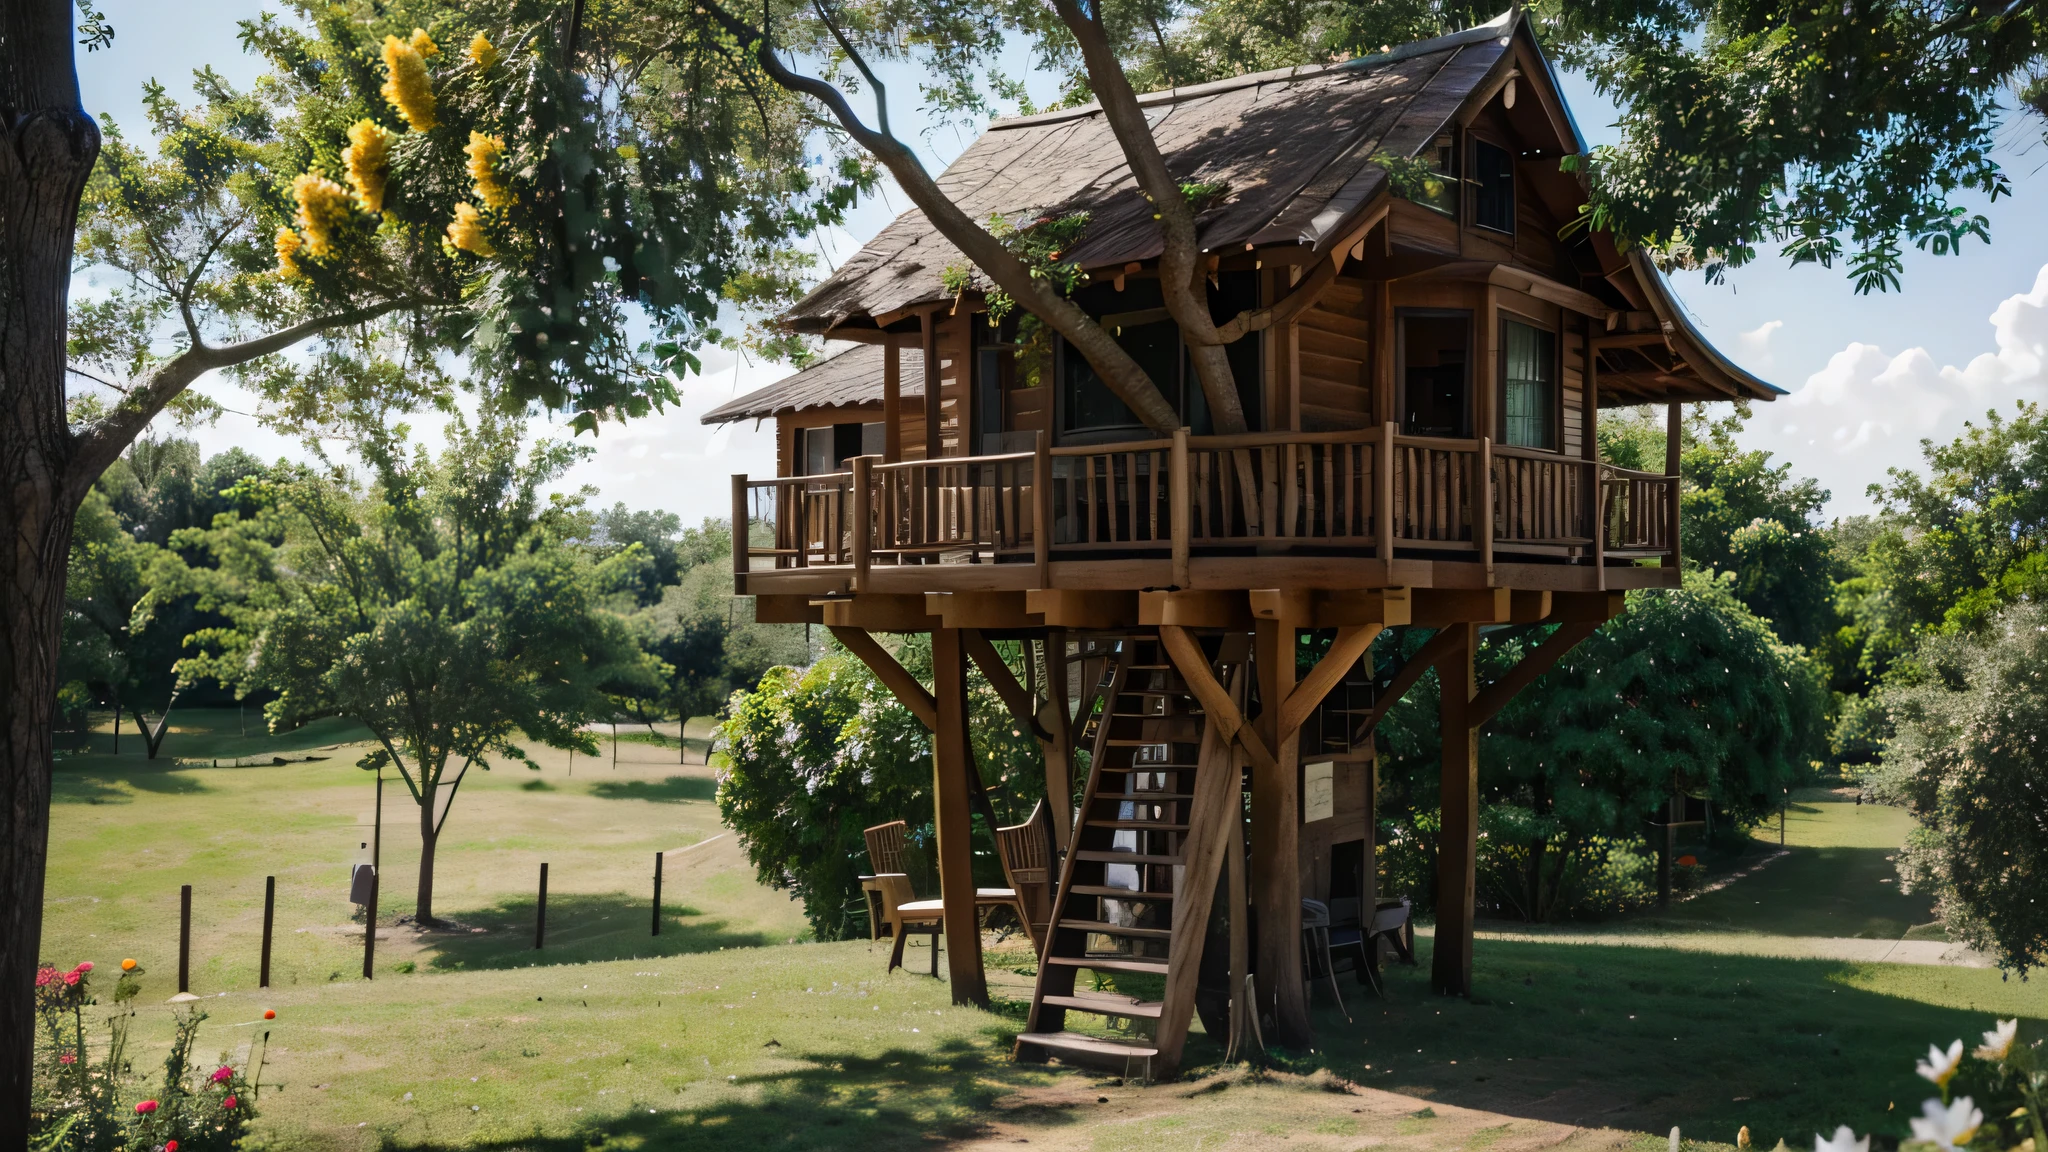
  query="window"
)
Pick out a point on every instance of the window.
point(827, 449)
point(1435, 364)
point(1434, 184)
point(1137, 318)
point(1493, 195)
point(1528, 386)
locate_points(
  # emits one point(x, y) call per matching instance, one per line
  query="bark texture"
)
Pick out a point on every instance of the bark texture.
point(49, 147)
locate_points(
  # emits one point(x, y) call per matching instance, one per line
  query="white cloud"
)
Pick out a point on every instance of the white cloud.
point(1868, 410)
point(1757, 342)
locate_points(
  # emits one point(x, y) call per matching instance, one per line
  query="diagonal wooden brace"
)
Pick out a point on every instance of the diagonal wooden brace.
point(997, 673)
point(1216, 702)
point(893, 675)
point(1351, 644)
point(1425, 658)
point(1495, 696)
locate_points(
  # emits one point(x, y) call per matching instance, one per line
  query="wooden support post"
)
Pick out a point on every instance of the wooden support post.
point(740, 536)
point(1182, 498)
point(950, 766)
point(1458, 838)
point(269, 923)
point(540, 912)
point(1674, 425)
point(892, 400)
point(1276, 843)
point(185, 938)
point(1240, 912)
point(1059, 762)
point(657, 896)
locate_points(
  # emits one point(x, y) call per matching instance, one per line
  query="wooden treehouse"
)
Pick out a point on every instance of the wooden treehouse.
point(1423, 456)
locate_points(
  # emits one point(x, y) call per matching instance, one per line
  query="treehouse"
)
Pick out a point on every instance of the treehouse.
point(1198, 608)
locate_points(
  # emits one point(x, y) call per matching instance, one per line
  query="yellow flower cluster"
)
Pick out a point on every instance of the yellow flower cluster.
point(482, 53)
point(483, 154)
point(467, 231)
point(323, 207)
point(287, 243)
point(406, 82)
point(368, 157)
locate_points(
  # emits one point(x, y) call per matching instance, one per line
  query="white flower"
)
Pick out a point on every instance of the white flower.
point(1998, 1041)
point(1844, 1141)
point(1948, 1126)
point(1940, 1067)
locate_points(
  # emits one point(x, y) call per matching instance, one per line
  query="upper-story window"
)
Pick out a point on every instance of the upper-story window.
point(1493, 191)
point(1528, 386)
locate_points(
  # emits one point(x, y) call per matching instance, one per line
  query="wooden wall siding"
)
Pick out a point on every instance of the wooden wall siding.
point(1334, 352)
point(1418, 229)
point(1535, 232)
point(1572, 438)
point(1029, 409)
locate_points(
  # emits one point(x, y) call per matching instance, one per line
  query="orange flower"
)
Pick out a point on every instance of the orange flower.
point(128, 965)
point(270, 1013)
point(1688, 861)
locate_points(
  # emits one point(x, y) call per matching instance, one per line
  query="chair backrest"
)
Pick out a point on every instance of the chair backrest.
point(1026, 861)
point(1388, 919)
point(1315, 914)
point(896, 892)
point(885, 846)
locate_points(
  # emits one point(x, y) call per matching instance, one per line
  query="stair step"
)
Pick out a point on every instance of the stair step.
point(1127, 858)
point(1137, 796)
point(1109, 964)
point(1140, 825)
point(1117, 893)
point(1108, 1004)
point(1088, 1049)
point(1109, 929)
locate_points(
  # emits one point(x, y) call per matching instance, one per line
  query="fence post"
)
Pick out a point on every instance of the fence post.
point(741, 561)
point(540, 920)
point(185, 938)
point(1383, 500)
point(1673, 431)
point(1482, 508)
point(1599, 530)
point(1182, 499)
point(370, 926)
point(657, 895)
point(861, 513)
point(269, 920)
point(1041, 498)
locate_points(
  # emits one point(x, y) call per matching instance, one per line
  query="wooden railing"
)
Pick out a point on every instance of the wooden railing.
point(1637, 511)
point(1366, 492)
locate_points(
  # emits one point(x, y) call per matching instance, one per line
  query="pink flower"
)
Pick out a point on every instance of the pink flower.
point(170, 1146)
point(68, 1058)
point(45, 977)
point(222, 1073)
point(71, 979)
point(228, 1103)
point(83, 966)
point(145, 1108)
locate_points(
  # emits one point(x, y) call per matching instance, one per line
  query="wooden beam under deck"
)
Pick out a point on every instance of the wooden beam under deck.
point(1107, 590)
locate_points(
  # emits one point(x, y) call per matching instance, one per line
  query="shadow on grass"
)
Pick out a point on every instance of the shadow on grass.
point(1811, 892)
point(898, 1099)
point(673, 790)
point(99, 782)
point(581, 929)
point(1644, 1038)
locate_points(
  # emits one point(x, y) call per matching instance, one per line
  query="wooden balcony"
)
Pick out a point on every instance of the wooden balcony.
point(1362, 509)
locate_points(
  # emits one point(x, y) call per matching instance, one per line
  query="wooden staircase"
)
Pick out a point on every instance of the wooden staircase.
point(1135, 890)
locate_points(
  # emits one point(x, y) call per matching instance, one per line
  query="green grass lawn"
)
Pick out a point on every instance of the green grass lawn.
point(610, 1038)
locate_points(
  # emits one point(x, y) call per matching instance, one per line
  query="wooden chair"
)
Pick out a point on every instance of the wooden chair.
point(1315, 951)
point(885, 856)
point(1026, 852)
point(909, 916)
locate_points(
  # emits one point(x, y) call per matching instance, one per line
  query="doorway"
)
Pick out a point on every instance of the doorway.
point(1436, 373)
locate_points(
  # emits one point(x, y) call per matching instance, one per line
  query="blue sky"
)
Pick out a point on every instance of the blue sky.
point(1870, 376)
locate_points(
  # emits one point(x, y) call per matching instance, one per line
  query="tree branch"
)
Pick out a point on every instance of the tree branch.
point(1118, 370)
point(98, 447)
point(1180, 272)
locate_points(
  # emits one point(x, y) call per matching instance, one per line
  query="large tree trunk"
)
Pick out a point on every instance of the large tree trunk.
point(49, 148)
point(423, 903)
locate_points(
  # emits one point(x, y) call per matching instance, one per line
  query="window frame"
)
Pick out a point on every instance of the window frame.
point(1479, 187)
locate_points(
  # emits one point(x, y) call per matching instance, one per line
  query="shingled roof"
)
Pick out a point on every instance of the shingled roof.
point(1291, 146)
point(850, 377)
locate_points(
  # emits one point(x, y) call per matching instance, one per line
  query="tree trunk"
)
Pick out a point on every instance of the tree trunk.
point(49, 148)
point(423, 903)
